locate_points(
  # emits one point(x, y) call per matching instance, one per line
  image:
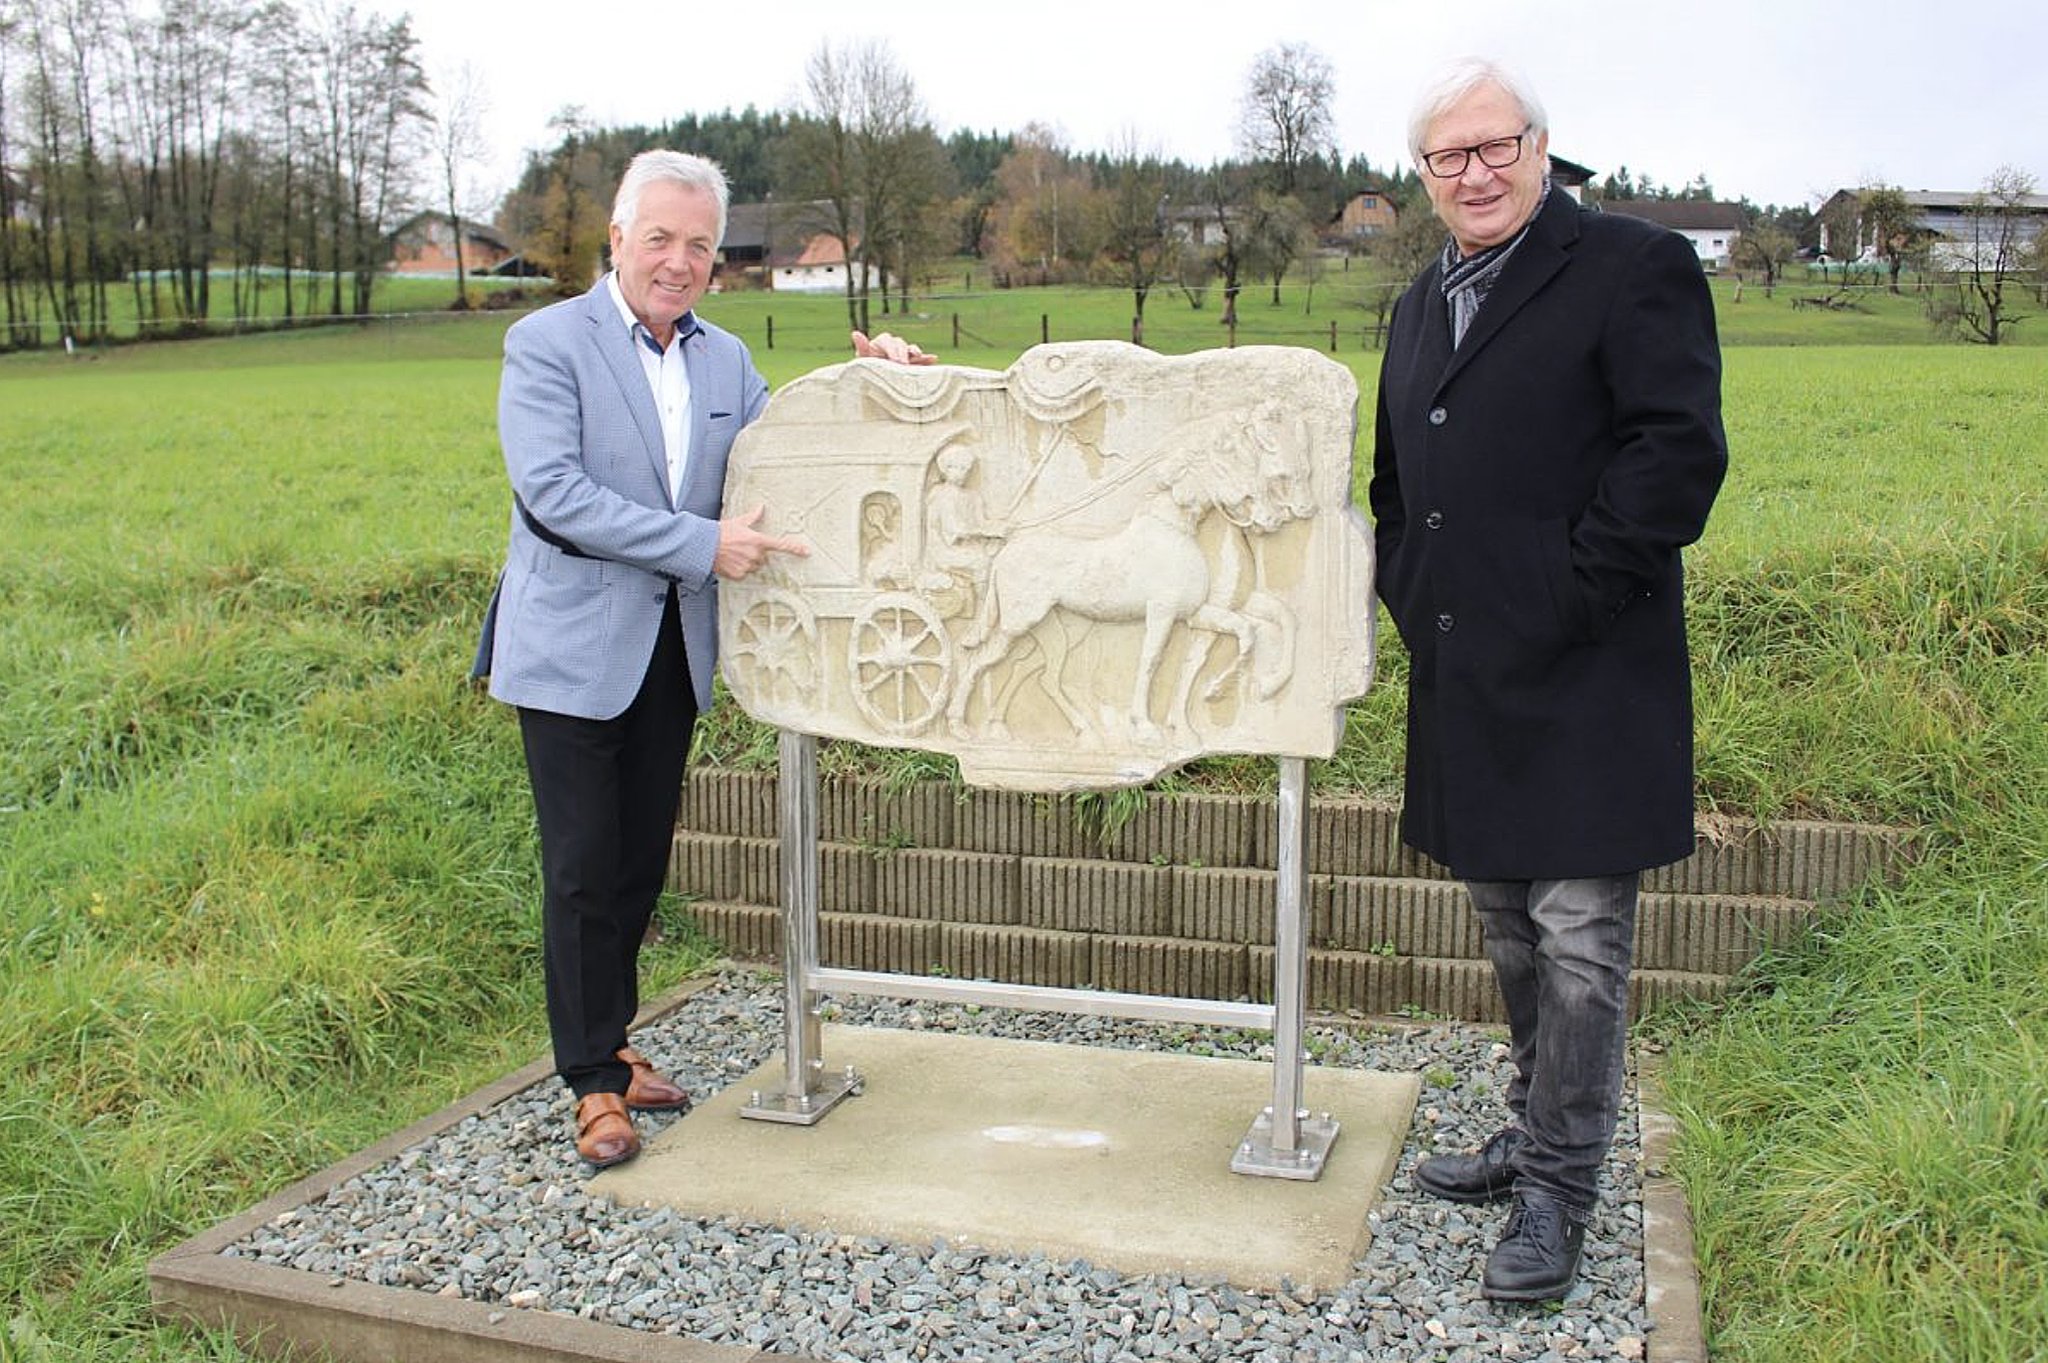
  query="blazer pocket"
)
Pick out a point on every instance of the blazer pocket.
point(558, 627)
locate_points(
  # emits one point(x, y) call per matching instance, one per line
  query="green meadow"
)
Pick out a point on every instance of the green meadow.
point(267, 870)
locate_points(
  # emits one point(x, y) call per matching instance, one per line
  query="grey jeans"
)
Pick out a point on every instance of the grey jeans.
point(1561, 950)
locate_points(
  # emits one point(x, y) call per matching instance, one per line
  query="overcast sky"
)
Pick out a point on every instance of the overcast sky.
point(1782, 101)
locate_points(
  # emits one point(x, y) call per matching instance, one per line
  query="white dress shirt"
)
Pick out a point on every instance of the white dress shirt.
point(669, 380)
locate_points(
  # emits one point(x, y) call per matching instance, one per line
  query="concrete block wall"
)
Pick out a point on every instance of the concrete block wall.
point(1178, 899)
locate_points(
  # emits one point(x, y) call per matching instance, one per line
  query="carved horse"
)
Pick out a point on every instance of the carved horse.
point(1255, 472)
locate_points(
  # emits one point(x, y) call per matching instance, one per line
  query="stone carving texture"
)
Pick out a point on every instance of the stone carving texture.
point(1076, 573)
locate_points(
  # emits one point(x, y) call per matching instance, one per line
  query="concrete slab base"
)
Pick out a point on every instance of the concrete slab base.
point(1118, 1157)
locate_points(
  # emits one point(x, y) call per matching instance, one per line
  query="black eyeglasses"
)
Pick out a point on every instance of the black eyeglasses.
point(1498, 154)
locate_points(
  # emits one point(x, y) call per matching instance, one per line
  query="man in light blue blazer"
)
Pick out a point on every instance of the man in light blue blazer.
point(616, 411)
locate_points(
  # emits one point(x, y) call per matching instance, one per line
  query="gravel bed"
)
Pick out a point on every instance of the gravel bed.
point(494, 1210)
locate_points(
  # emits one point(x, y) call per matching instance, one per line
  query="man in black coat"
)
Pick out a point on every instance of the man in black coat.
point(1548, 438)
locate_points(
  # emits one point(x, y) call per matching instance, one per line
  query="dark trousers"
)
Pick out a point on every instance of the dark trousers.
point(1561, 950)
point(605, 792)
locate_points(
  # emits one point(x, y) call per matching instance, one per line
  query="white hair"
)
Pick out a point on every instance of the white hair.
point(673, 167)
point(1459, 78)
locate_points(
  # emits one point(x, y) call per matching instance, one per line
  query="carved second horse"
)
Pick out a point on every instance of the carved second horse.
point(1255, 472)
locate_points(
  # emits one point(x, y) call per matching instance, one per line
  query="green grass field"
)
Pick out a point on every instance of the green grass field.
point(267, 872)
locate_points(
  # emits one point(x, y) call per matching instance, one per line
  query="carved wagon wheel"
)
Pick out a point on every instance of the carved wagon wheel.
point(900, 661)
point(774, 658)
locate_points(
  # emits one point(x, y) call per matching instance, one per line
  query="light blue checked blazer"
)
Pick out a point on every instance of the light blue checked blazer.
point(583, 449)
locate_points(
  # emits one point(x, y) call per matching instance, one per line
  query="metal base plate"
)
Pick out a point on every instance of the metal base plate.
point(806, 1109)
point(1256, 1156)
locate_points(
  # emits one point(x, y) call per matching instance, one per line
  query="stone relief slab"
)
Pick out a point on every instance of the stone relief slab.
point(1078, 572)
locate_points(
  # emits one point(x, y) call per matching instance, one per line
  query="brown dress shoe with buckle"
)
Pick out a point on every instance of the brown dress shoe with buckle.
point(650, 1091)
point(604, 1132)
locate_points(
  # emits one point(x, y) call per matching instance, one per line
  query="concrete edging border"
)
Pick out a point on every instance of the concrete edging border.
point(1671, 1281)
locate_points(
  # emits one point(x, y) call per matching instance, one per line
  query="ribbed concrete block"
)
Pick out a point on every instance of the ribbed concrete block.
point(1354, 838)
point(740, 804)
point(1238, 905)
point(1343, 981)
point(1799, 860)
point(846, 875)
point(1460, 989)
point(846, 878)
point(1015, 955)
point(704, 864)
point(1713, 934)
point(1190, 830)
point(1225, 905)
point(747, 932)
point(1169, 966)
point(1650, 990)
point(1413, 917)
point(758, 863)
point(874, 814)
point(958, 887)
point(1022, 824)
point(864, 941)
point(1074, 895)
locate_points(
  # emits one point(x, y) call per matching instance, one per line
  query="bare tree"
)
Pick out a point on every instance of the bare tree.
point(1891, 228)
point(66, 47)
point(459, 107)
point(1284, 115)
point(368, 91)
point(1226, 197)
point(863, 146)
point(280, 104)
point(1279, 235)
point(1137, 246)
point(13, 255)
point(1998, 248)
point(178, 97)
point(1767, 248)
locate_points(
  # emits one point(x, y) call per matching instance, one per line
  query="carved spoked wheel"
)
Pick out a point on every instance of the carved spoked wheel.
point(900, 661)
point(775, 660)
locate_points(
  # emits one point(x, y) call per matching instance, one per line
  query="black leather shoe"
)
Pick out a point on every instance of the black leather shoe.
point(1481, 1177)
point(1538, 1254)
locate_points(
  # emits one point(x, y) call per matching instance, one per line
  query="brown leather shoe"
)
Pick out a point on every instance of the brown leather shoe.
point(604, 1132)
point(650, 1091)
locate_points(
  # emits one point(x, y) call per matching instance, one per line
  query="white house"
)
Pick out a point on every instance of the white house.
point(820, 267)
point(1711, 227)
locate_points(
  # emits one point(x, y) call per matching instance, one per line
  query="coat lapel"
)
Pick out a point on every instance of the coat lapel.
point(615, 343)
point(1533, 264)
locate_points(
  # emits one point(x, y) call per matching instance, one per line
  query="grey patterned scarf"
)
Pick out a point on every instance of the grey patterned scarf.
point(1468, 279)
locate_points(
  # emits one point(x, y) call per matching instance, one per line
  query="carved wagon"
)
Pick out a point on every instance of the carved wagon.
point(866, 597)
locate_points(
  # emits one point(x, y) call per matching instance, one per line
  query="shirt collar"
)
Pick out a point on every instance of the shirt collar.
point(686, 325)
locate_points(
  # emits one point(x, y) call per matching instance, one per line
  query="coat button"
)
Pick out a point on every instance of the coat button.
point(1438, 416)
point(1444, 623)
point(1434, 520)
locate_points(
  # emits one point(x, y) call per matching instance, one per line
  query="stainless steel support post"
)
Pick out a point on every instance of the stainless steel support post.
point(807, 1092)
point(1285, 1141)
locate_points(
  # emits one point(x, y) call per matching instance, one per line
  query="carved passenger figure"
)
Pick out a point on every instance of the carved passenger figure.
point(958, 537)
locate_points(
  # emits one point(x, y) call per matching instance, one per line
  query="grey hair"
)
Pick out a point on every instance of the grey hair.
point(1459, 78)
point(673, 167)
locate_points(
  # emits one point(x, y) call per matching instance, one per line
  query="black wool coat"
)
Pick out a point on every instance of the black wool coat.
point(1530, 494)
